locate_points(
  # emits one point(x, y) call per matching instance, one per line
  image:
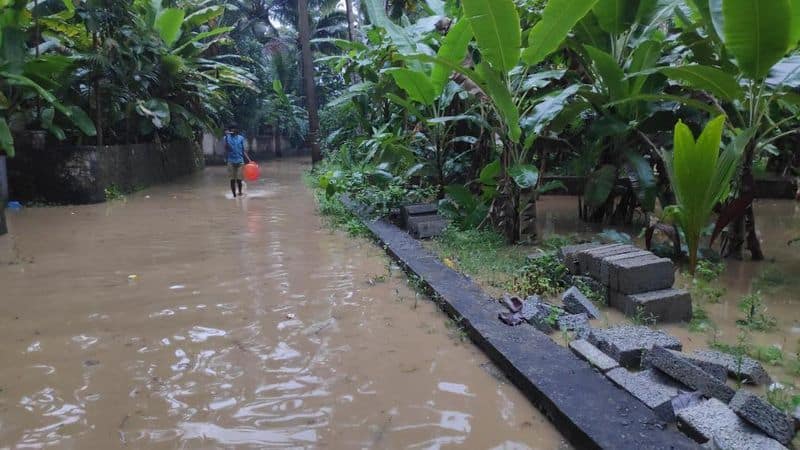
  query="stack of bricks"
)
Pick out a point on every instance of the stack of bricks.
point(637, 282)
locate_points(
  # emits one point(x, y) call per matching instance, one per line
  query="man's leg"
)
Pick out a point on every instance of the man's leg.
point(239, 183)
point(232, 175)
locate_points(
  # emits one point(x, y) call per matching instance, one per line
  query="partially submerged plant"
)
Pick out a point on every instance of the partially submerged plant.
point(543, 275)
point(756, 318)
point(701, 178)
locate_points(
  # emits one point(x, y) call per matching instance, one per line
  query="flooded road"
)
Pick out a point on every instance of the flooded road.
point(179, 318)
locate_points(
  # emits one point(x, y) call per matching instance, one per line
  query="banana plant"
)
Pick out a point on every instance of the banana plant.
point(29, 78)
point(753, 70)
point(495, 27)
point(615, 47)
point(701, 178)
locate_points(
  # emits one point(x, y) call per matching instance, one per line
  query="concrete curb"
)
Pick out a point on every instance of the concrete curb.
point(584, 405)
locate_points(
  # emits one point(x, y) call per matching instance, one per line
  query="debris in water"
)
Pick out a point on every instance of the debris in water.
point(133, 277)
point(290, 316)
point(91, 362)
point(176, 287)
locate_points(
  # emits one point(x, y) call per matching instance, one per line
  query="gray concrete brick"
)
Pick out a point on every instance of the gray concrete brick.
point(590, 259)
point(602, 273)
point(666, 305)
point(593, 355)
point(576, 323)
point(643, 274)
point(626, 343)
point(569, 256)
point(575, 302)
point(712, 421)
point(689, 374)
point(760, 413)
point(423, 227)
point(718, 371)
point(741, 367)
point(650, 387)
point(417, 209)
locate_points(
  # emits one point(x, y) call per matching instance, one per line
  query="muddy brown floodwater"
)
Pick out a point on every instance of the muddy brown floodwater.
point(180, 318)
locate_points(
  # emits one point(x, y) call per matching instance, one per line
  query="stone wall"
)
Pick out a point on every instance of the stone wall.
point(81, 174)
point(260, 148)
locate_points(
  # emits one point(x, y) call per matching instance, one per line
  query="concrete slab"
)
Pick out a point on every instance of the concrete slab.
point(423, 227)
point(718, 371)
point(593, 355)
point(760, 413)
point(653, 389)
point(689, 374)
point(712, 421)
point(576, 303)
point(740, 367)
point(643, 274)
point(626, 343)
point(583, 405)
point(666, 305)
point(576, 323)
point(569, 256)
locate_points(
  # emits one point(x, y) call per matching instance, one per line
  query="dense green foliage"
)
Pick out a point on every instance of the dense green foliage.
point(480, 100)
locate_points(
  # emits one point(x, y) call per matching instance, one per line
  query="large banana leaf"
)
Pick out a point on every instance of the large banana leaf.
point(615, 16)
point(453, 49)
point(502, 98)
point(718, 82)
point(377, 16)
point(794, 36)
point(548, 109)
point(558, 18)
point(757, 33)
point(416, 84)
point(496, 26)
point(203, 15)
point(168, 24)
point(607, 69)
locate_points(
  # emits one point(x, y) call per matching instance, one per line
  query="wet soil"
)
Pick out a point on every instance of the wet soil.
point(180, 317)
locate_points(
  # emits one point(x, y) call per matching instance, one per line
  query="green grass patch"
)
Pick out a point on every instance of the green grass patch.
point(337, 216)
point(481, 254)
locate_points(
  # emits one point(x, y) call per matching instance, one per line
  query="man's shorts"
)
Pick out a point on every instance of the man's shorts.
point(235, 171)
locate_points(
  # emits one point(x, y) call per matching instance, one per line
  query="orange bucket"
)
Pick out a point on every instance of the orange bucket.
point(251, 171)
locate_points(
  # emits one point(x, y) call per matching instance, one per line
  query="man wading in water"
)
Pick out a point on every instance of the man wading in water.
point(234, 145)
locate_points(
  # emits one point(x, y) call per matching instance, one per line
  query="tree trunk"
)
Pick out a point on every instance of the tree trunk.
point(308, 78)
point(351, 20)
point(97, 104)
point(743, 229)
